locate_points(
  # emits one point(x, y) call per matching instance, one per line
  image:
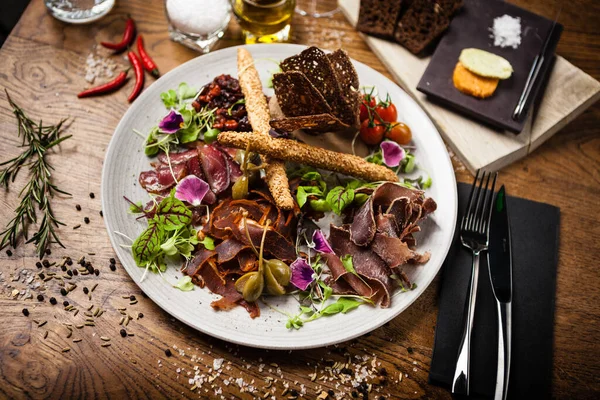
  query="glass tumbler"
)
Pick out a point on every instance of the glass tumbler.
point(197, 24)
point(79, 11)
point(264, 21)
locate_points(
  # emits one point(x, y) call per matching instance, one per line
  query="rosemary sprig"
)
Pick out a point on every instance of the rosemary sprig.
point(37, 139)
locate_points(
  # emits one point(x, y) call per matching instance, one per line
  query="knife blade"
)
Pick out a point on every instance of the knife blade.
point(500, 270)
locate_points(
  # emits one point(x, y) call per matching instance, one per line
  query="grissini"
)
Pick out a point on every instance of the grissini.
point(292, 150)
point(259, 116)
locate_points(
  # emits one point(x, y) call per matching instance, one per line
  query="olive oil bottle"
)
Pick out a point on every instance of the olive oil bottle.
point(264, 21)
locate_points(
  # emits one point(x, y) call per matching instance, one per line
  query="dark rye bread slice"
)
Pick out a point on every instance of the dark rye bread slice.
point(420, 25)
point(379, 17)
point(313, 63)
point(347, 79)
point(297, 96)
point(315, 123)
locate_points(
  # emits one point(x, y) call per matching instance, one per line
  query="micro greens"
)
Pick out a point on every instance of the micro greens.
point(185, 284)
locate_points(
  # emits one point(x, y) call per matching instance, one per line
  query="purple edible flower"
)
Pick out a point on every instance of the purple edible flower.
point(392, 153)
point(321, 244)
point(171, 123)
point(302, 274)
point(191, 189)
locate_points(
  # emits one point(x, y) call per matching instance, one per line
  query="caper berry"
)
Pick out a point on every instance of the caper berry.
point(280, 270)
point(239, 190)
point(250, 285)
point(273, 287)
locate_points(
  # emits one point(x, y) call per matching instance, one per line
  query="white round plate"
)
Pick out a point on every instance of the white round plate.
point(125, 160)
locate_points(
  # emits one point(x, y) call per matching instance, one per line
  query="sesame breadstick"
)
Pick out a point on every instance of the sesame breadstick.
point(259, 116)
point(291, 150)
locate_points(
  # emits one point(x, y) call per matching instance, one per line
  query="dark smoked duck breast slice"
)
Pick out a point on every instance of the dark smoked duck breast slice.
point(215, 168)
point(366, 263)
point(343, 277)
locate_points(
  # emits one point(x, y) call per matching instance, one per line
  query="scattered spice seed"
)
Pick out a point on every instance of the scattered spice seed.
point(48, 251)
point(25, 312)
point(81, 261)
point(168, 353)
point(77, 340)
point(140, 315)
point(294, 392)
point(92, 195)
point(38, 264)
point(121, 321)
point(53, 301)
point(77, 226)
point(66, 349)
point(45, 334)
point(86, 220)
point(77, 207)
point(87, 314)
point(355, 394)
point(112, 260)
point(89, 319)
point(69, 334)
point(331, 392)
point(101, 214)
point(130, 334)
point(105, 344)
point(74, 272)
point(96, 272)
point(40, 297)
point(9, 253)
point(63, 291)
point(41, 275)
point(65, 303)
point(104, 338)
point(123, 332)
point(95, 285)
point(90, 307)
point(79, 326)
point(46, 263)
point(86, 290)
point(76, 312)
point(132, 297)
point(91, 254)
point(100, 313)
point(96, 312)
point(70, 273)
point(90, 324)
point(69, 261)
point(113, 267)
point(133, 302)
point(63, 267)
point(42, 324)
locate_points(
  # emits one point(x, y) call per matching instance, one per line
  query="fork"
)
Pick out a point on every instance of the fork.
point(474, 235)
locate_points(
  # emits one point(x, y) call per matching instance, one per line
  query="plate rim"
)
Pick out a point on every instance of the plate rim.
point(266, 345)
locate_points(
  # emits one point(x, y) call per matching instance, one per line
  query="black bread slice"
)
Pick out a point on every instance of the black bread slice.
point(297, 95)
point(422, 23)
point(379, 17)
point(348, 104)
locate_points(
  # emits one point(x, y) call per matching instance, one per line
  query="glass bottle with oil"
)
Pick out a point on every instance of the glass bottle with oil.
point(264, 21)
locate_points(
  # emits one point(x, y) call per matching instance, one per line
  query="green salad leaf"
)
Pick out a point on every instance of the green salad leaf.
point(184, 284)
point(172, 214)
point(339, 198)
point(147, 246)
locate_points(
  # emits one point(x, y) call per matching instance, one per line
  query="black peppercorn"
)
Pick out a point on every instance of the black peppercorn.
point(112, 261)
point(63, 267)
point(123, 332)
point(63, 291)
point(82, 262)
point(46, 263)
point(86, 290)
point(52, 300)
point(168, 353)
point(25, 312)
point(9, 253)
point(101, 214)
point(78, 207)
point(40, 297)
point(48, 251)
point(92, 195)
point(113, 267)
point(140, 315)
point(38, 264)
point(75, 272)
point(42, 276)
point(86, 220)
point(65, 303)
point(355, 394)
point(96, 272)
point(132, 298)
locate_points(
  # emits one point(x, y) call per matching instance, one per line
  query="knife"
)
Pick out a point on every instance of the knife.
point(500, 268)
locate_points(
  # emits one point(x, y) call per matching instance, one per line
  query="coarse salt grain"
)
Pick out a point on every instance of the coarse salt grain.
point(506, 31)
point(200, 17)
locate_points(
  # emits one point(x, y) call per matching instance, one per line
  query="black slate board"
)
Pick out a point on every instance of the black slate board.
point(535, 231)
point(470, 28)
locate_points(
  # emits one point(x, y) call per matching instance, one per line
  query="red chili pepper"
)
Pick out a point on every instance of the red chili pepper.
point(139, 75)
point(111, 86)
point(128, 36)
point(146, 60)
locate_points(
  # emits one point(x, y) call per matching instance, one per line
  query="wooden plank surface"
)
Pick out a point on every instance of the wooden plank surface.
point(569, 92)
point(43, 66)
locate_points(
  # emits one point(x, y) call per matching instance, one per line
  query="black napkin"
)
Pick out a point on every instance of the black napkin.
point(534, 229)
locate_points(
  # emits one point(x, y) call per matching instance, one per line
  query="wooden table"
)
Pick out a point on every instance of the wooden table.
point(42, 65)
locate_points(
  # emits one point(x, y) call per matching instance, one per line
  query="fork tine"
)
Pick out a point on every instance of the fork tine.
point(486, 223)
point(485, 197)
point(473, 218)
point(463, 223)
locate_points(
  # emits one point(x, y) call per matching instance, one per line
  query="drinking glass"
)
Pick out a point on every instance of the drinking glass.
point(79, 11)
point(264, 21)
point(197, 24)
point(317, 9)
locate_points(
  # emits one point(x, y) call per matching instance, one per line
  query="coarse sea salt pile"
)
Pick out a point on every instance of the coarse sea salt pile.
point(506, 31)
point(200, 17)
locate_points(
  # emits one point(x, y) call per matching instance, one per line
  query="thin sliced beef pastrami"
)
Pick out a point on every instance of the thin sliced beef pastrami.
point(198, 261)
point(366, 263)
point(228, 249)
point(395, 252)
point(275, 244)
point(353, 284)
point(215, 168)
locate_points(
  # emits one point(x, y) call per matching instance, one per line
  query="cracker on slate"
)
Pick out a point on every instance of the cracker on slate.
point(347, 79)
point(321, 122)
point(297, 95)
point(316, 67)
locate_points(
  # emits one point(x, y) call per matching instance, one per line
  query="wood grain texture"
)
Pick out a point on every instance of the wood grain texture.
point(42, 66)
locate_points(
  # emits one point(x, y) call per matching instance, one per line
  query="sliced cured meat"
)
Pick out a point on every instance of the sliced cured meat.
point(177, 158)
point(201, 258)
point(275, 244)
point(394, 251)
point(366, 263)
point(160, 180)
point(235, 171)
point(228, 249)
point(343, 277)
point(214, 166)
point(247, 260)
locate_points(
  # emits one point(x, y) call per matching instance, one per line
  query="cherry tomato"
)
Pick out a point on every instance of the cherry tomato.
point(387, 112)
point(371, 132)
point(399, 133)
point(368, 101)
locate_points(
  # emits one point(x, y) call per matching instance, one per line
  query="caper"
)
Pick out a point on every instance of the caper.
point(280, 270)
point(273, 287)
point(239, 190)
point(251, 285)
